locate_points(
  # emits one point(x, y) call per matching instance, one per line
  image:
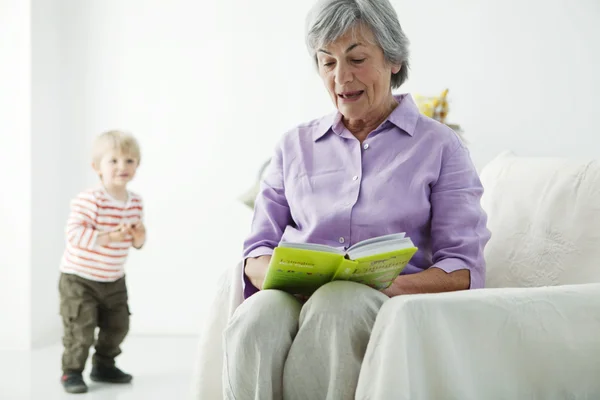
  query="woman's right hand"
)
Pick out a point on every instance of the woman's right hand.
point(256, 270)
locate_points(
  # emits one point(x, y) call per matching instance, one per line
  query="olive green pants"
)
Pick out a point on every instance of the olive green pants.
point(85, 305)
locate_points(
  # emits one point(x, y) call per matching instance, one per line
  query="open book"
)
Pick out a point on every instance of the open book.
point(301, 268)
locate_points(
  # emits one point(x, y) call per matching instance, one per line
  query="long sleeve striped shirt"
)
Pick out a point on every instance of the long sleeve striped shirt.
point(92, 212)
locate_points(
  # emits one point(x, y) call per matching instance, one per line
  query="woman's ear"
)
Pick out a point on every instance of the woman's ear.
point(396, 68)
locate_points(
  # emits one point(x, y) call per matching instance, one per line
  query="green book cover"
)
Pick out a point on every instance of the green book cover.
point(301, 268)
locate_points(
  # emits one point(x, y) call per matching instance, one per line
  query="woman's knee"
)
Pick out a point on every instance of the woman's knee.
point(264, 309)
point(345, 296)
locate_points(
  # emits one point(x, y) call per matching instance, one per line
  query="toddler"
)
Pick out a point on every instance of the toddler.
point(103, 224)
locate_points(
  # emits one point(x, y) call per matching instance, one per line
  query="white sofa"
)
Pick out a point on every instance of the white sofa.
point(533, 333)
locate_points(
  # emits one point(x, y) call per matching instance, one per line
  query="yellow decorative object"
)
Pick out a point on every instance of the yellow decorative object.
point(436, 107)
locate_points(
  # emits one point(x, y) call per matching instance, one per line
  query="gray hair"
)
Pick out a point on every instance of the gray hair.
point(330, 19)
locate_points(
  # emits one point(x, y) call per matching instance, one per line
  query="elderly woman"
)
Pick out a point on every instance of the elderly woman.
point(374, 167)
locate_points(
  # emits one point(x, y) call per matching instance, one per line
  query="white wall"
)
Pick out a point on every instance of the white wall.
point(521, 73)
point(40, 166)
point(57, 161)
point(208, 87)
point(15, 175)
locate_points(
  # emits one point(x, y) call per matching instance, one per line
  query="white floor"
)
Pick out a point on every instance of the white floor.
point(161, 367)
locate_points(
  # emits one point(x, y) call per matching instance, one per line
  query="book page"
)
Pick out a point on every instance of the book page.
point(311, 246)
point(378, 239)
point(374, 248)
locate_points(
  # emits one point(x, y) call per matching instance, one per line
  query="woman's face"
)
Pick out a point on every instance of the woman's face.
point(356, 74)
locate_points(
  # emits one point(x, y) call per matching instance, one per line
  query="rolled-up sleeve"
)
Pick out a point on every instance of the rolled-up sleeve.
point(458, 223)
point(271, 215)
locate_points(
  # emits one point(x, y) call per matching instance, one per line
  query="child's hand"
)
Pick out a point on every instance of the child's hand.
point(121, 234)
point(138, 232)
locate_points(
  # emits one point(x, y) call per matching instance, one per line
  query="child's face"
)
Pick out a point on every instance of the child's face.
point(116, 169)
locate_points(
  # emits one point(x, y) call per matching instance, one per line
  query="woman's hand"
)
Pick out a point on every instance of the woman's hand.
point(432, 280)
point(256, 269)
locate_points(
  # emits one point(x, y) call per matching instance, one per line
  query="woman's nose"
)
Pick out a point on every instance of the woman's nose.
point(343, 74)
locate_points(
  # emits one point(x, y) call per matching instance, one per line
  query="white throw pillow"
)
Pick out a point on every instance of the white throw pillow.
point(544, 215)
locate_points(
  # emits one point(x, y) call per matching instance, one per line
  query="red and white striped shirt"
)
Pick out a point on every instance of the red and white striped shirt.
point(92, 212)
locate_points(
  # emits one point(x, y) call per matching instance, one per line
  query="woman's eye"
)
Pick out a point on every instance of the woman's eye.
point(130, 161)
point(358, 61)
point(328, 64)
point(113, 161)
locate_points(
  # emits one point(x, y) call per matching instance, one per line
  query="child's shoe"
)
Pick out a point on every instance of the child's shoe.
point(109, 375)
point(73, 383)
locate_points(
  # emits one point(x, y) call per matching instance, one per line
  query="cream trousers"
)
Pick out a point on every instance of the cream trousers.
point(276, 348)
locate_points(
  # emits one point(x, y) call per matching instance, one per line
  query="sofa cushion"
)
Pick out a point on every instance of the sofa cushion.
point(544, 215)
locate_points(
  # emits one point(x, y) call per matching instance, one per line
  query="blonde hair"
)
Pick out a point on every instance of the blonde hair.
point(115, 140)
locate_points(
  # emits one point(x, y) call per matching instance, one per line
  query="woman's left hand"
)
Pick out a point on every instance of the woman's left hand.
point(391, 291)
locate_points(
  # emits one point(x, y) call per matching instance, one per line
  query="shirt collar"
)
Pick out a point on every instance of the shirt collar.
point(405, 116)
point(325, 125)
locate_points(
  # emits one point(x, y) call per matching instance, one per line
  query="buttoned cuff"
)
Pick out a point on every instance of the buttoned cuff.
point(455, 264)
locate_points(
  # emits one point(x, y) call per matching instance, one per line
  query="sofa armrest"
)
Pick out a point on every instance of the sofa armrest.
point(207, 373)
point(525, 343)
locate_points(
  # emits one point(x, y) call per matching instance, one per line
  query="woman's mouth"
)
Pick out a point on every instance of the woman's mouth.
point(351, 96)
